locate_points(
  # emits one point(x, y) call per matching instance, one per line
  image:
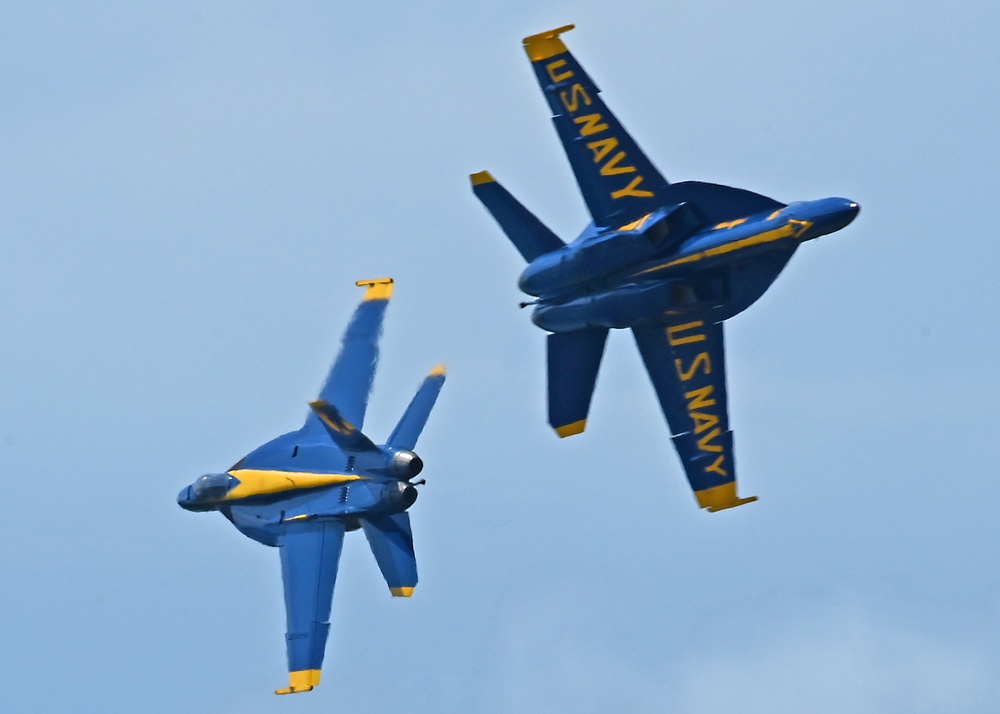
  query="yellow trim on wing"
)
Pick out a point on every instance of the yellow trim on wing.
point(300, 681)
point(257, 482)
point(546, 44)
point(719, 498)
point(378, 288)
point(438, 371)
point(789, 230)
point(481, 177)
point(401, 592)
point(576, 427)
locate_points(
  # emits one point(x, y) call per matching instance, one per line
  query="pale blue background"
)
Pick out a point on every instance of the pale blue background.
point(188, 191)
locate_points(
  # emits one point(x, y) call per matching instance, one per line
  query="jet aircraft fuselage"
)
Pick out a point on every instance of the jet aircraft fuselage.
point(669, 260)
point(577, 287)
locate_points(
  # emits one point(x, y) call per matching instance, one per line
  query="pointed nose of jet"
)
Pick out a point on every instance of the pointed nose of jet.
point(828, 215)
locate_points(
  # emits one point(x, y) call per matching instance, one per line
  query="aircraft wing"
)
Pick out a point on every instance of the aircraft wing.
point(310, 553)
point(618, 182)
point(685, 359)
point(350, 380)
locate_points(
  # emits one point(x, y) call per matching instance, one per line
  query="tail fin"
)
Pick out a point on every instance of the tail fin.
point(528, 234)
point(391, 541)
point(574, 358)
point(407, 431)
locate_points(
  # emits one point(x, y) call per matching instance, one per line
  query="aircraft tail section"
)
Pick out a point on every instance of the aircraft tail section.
point(391, 541)
point(618, 182)
point(529, 235)
point(407, 431)
point(573, 361)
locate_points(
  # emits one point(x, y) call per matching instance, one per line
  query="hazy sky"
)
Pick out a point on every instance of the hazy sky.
point(189, 190)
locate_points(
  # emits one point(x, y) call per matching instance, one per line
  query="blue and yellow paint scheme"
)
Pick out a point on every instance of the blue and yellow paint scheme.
point(670, 261)
point(302, 491)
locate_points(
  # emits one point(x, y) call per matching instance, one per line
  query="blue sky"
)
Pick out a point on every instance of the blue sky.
point(187, 195)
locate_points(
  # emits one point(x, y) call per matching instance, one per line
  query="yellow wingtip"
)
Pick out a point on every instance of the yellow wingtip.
point(438, 371)
point(545, 44)
point(378, 288)
point(301, 681)
point(481, 177)
point(719, 498)
point(401, 592)
point(576, 427)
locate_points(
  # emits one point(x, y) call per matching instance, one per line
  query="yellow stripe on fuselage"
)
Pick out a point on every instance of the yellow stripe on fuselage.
point(789, 230)
point(254, 482)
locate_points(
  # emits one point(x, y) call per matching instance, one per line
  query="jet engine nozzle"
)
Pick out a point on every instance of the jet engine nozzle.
point(405, 465)
point(401, 496)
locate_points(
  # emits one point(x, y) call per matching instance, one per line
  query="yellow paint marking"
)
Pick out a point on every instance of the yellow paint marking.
point(634, 225)
point(731, 224)
point(716, 467)
point(699, 398)
point(401, 592)
point(602, 147)
point(572, 103)
point(591, 124)
point(775, 214)
point(545, 44)
point(437, 371)
point(258, 482)
point(632, 190)
point(703, 420)
point(702, 358)
point(301, 681)
point(378, 288)
point(612, 168)
point(553, 66)
point(786, 231)
point(481, 177)
point(721, 497)
point(674, 330)
point(576, 427)
point(704, 442)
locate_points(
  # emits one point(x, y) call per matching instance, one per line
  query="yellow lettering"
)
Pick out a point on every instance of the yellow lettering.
point(553, 66)
point(601, 148)
point(703, 420)
point(572, 102)
point(591, 125)
point(631, 190)
point(699, 398)
point(703, 441)
point(686, 375)
point(611, 168)
point(716, 466)
point(673, 331)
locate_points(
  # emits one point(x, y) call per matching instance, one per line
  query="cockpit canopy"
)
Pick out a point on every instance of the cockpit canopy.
point(212, 487)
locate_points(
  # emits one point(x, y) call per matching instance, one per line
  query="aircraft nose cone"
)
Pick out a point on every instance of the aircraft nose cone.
point(184, 497)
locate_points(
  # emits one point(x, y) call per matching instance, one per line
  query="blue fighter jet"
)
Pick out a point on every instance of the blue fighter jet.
point(303, 490)
point(671, 261)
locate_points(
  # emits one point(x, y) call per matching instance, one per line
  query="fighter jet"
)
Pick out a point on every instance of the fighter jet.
point(303, 490)
point(670, 261)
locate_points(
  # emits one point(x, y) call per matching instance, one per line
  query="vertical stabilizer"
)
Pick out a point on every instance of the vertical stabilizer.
point(529, 235)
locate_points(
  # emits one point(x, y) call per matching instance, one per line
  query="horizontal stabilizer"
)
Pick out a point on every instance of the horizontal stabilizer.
point(573, 361)
point(391, 541)
point(529, 235)
point(407, 431)
point(344, 434)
